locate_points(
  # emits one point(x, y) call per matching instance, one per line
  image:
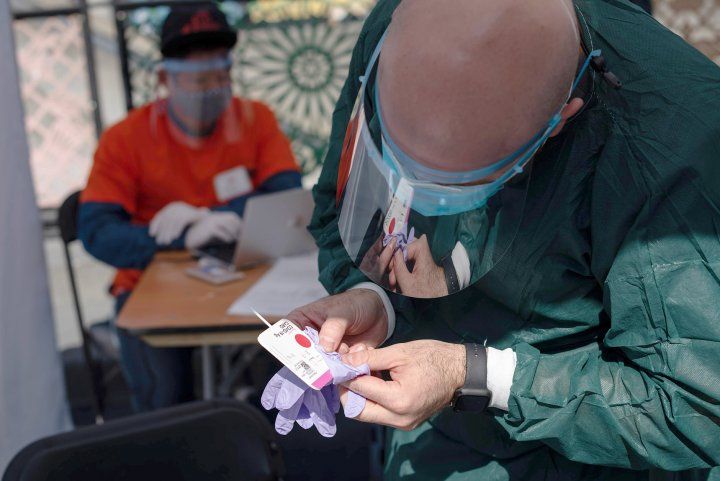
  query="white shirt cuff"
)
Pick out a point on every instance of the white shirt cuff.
point(386, 302)
point(461, 262)
point(500, 372)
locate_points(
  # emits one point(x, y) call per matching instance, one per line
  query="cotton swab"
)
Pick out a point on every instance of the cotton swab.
point(262, 318)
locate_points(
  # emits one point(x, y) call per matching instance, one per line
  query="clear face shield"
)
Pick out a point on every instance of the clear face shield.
point(197, 104)
point(422, 232)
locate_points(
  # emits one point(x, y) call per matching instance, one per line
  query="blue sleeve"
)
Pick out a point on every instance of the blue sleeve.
point(107, 234)
point(283, 181)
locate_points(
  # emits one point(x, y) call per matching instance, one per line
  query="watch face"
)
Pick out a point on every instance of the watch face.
point(469, 403)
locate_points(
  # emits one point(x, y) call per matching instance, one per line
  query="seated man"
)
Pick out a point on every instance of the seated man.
point(176, 174)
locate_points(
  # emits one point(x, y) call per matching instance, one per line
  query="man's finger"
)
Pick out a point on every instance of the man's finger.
point(357, 348)
point(413, 250)
point(332, 332)
point(375, 413)
point(418, 248)
point(225, 230)
point(392, 279)
point(376, 359)
point(224, 234)
point(377, 247)
point(302, 317)
point(153, 227)
point(370, 387)
point(386, 256)
point(402, 275)
point(172, 232)
point(163, 237)
point(157, 228)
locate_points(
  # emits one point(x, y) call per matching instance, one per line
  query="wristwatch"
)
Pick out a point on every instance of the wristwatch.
point(451, 277)
point(473, 396)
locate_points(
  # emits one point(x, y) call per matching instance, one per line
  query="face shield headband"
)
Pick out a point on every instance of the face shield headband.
point(415, 170)
point(175, 65)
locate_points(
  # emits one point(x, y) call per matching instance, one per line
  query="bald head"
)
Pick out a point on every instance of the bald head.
point(463, 83)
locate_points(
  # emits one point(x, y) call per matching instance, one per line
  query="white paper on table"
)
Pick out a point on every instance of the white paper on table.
point(290, 283)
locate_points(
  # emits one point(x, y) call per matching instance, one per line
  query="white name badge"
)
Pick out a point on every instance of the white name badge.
point(232, 183)
point(295, 350)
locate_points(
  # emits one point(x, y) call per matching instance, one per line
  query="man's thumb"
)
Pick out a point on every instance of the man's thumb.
point(332, 332)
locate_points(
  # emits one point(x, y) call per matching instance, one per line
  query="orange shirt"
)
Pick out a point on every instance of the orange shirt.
point(140, 165)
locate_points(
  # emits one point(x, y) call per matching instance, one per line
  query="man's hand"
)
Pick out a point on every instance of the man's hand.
point(427, 279)
point(425, 375)
point(376, 262)
point(344, 320)
point(214, 227)
point(170, 222)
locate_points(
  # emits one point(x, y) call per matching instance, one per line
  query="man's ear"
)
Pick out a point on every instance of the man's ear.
point(571, 108)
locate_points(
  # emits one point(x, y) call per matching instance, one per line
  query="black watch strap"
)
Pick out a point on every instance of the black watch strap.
point(451, 278)
point(474, 395)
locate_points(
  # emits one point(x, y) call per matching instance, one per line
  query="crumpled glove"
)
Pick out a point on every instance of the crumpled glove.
point(297, 402)
point(216, 226)
point(402, 239)
point(170, 221)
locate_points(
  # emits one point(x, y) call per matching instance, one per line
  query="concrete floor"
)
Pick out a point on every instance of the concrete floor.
point(93, 278)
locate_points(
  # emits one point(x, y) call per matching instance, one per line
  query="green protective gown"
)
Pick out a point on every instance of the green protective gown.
point(610, 292)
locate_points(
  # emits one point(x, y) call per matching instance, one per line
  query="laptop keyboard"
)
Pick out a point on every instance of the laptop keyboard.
point(222, 252)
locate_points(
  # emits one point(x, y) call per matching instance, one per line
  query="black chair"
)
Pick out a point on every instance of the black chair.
point(202, 441)
point(97, 353)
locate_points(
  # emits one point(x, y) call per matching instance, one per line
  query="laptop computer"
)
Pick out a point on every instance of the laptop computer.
point(274, 225)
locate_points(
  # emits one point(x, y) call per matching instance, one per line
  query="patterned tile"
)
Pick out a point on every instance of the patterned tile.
point(697, 21)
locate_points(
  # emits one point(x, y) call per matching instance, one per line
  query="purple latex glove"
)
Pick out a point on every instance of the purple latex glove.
point(341, 373)
point(402, 239)
point(297, 402)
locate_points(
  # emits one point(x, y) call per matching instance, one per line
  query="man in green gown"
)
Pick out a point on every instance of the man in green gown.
point(599, 316)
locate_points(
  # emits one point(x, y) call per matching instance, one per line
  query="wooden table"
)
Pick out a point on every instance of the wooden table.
point(168, 308)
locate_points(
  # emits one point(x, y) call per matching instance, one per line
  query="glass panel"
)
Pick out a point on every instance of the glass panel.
point(58, 107)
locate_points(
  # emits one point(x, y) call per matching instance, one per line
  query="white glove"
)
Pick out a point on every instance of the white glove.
point(170, 222)
point(216, 226)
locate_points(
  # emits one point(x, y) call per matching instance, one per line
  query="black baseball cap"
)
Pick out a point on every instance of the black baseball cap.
point(190, 26)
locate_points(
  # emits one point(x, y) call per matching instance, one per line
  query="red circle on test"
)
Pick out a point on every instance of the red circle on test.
point(391, 227)
point(302, 340)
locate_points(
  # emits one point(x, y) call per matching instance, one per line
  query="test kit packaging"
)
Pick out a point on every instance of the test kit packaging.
point(399, 210)
point(295, 350)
